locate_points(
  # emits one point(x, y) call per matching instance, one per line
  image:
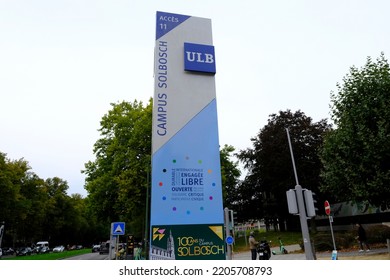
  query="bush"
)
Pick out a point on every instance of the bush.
point(378, 233)
point(323, 246)
point(347, 239)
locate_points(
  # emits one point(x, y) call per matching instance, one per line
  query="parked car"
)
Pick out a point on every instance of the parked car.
point(42, 247)
point(35, 250)
point(104, 248)
point(42, 244)
point(8, 251)
point(95, 248)
point(24, 251)
point(44, 250)
point(58, 249)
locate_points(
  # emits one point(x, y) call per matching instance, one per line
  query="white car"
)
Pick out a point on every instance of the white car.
point(59, 249)
point(95, 248)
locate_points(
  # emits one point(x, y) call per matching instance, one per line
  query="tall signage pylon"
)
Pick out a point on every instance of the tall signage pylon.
point(186, 192)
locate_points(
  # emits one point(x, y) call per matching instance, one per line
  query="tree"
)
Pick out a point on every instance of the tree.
point(34, 209)
point(8, 191)
point(31, 206)
point(118, 178)
point(270, 172)
point(59, 211)
point(22, 204)
point(230, 174)
point(356, 155)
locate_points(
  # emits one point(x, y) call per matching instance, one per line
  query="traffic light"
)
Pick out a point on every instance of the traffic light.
point(315, 201)
point(233, 219)
point(292, 202)
point(309, 203)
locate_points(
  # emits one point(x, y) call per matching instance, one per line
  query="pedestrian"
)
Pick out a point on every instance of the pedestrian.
point(253, 245)
point(362, 238)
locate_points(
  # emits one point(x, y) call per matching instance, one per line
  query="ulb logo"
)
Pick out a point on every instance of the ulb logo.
point(199, 58)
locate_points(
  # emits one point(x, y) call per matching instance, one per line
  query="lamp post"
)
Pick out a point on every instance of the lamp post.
point(301, 208)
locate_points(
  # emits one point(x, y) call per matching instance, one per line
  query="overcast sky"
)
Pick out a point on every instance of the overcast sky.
point(63, 62)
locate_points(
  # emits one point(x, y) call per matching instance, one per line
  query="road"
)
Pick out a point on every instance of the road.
point(89, 256)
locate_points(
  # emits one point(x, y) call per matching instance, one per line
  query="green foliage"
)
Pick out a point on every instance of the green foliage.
point(323, 240)
point(378, 233)
point(230, 174)
point(356, 155)
point(270, 168)
point(345, 240)
point(34, 209)
point(118, 178)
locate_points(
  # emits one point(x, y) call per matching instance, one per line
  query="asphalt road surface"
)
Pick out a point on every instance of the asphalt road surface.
point(90, 256)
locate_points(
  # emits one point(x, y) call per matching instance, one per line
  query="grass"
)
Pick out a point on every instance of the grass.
point(52, 256)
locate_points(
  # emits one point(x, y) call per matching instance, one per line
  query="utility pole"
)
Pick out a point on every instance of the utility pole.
point(301, 208)
point(146, 237)
point(1, 232)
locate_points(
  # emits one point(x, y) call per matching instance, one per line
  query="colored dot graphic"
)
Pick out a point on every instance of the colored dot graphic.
point(186, 161)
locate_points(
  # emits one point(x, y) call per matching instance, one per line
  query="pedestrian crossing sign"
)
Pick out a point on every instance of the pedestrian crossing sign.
point(118, 228)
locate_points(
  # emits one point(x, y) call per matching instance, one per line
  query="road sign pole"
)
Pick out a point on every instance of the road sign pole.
point(116, 246)
point(110, 248)
point(331, 229)
point(334, 253)
point(227, 232)
point(327, 212)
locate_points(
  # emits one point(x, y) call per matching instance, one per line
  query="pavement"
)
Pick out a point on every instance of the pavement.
point(296, 254)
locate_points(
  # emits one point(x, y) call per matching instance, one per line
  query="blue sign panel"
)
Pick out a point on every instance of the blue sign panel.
point(118, 228)
point(165, 22)
point(199, 58)
point(187, 179)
